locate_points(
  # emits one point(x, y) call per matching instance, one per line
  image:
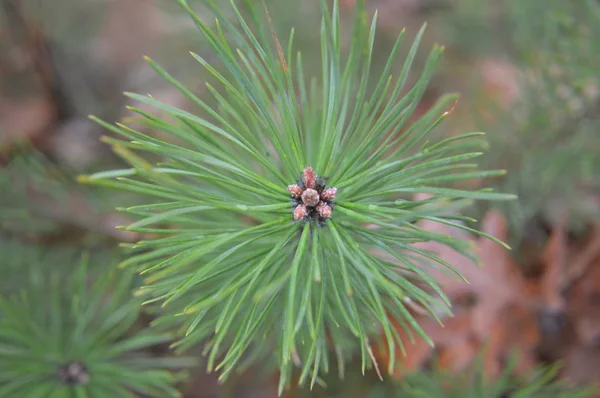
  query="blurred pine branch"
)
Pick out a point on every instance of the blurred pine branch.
point(75, 335)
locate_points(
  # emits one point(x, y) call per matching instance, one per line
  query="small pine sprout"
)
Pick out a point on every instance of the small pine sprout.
point(231, 263)
point(300, 212)
point(324, 210)
point(309, 178)
point(295, 190)
point(311, 200)
point(328, 194)
point(74, 373)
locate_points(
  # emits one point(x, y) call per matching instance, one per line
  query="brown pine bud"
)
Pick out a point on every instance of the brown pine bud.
point(324, 210)
point(295, 190)
point(74, 373)
point(310, 197)
point(300, 212)
point(309, 177)
point(328, 194)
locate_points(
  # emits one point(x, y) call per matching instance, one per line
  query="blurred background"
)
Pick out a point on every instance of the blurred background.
point(528, 73)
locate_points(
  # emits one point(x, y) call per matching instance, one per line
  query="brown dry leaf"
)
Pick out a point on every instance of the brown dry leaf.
point(581, 365)
point(570, 290)
point(458, 356)
point(554, 257)
point(584, 307)
point(498, 291)
point(493, 284)
point(502, 316)
point(585, 257)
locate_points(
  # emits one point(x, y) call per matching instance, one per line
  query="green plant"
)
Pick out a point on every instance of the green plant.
point(64, 336)
point(254, 253)
point(473, 383)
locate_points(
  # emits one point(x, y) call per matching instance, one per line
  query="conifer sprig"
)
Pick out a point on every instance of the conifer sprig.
point(229, 261)
point(67, 337)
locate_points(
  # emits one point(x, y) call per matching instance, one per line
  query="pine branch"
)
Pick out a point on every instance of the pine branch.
point(69, 337)
point(257, 252)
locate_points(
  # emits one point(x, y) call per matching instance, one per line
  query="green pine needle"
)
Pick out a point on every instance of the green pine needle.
point(227, 255)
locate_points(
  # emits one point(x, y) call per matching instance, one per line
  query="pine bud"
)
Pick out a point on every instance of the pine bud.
point(300, 212)
point(295, 190)
point(309, 177)
point(74, 373)
point(328, 194)
point(310, 197)
point(324, 210)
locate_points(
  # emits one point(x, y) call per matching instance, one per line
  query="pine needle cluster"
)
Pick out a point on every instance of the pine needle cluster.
point(68, 337)
point(237, 252)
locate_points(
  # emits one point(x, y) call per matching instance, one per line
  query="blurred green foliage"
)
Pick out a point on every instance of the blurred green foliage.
point(549, 137)
point(75, 335)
